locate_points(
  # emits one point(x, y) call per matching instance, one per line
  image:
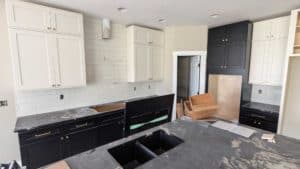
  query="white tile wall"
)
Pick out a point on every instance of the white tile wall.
point(269, 95)
point(106, 76)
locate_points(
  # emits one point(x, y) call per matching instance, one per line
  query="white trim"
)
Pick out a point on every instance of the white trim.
point(176, 54)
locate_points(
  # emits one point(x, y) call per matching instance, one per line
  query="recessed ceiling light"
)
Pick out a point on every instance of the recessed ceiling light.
point(122, 9)
point(215, 16)
point(162, 20)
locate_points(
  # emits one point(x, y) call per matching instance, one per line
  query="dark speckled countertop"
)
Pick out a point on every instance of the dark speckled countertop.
point(28, 123)
point(204, 147)
point(32, 122)
point(262, 107)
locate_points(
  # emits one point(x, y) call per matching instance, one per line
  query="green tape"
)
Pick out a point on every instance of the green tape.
point(136, 126)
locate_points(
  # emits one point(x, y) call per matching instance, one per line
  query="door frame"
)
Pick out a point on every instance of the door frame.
point(203, 57)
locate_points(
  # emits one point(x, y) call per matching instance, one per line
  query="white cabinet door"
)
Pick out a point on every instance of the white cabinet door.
point(261, 30)
point(280, 27)
point(65, 22)
point(156, 38)
point(142, 58)
point(258, 60)
point(157, 60)
point(278, 54)
point(141, 35)
point(33, 67)
point(70, 61)
point(27, 16)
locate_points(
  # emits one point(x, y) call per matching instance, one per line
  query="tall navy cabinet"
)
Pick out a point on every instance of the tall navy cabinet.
point(228, 52)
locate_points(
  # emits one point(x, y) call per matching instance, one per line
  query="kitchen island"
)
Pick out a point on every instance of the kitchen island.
point(204, 147)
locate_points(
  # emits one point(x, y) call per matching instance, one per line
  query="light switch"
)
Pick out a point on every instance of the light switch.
point(3, 103)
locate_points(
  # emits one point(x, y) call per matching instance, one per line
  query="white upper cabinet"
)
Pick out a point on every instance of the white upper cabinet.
point(156, 38)
point(280, 27)
point(148, 36)
point(47, 46)
point(70, 61)
point(142, 57)
point(33, 66)
point(66, 22)
point(261, 31)
point(140, 34)
point(269, 47)
point(35, 17)
point(145, 54)
point(157, 62)
point(28, 16)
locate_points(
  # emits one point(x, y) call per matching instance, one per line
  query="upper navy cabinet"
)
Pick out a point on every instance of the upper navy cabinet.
point(228, 52)
point(229, 48)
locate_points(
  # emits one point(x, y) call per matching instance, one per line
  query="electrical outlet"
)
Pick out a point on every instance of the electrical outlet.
point(61, 97)
point(3, 103)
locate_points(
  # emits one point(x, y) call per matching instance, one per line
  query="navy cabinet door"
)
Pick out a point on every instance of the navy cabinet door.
point(80, 141)
point(235, 58)
point(216, 56)
point(216, 53)
point(110, 131)
point(42, 152)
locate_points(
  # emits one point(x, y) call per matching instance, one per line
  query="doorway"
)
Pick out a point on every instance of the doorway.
point(197, 76)
point(188, 77)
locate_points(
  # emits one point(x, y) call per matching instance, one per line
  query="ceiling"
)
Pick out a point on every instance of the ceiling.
point(178, 12)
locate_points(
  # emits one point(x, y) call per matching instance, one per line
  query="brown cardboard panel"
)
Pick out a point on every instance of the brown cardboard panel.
point(226, 90)
point(59, 165)
point(110, 107)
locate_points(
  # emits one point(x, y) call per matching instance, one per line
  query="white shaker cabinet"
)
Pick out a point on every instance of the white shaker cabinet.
point(69, 61)
point(269, 45)
point(47, 46)
point(33, 65)
point(157, 62)
point(66, 22)
point(24, 15)
point(145, 54)
point(28, 16)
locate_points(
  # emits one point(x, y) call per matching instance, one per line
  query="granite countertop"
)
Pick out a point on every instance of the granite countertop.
point(204, 147)
point(32, 122)
point(262, 107)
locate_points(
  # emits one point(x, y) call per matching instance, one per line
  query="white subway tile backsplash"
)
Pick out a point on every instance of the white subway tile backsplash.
point(106, 62)
point(268, 95)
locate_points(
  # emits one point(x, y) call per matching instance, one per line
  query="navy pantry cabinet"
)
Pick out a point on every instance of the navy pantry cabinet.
point(228, 48)
point(228, 52)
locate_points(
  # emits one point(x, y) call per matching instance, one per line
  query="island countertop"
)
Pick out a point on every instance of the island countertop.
point(204, 147)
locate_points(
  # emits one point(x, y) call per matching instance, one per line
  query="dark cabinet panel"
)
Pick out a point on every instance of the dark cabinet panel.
point(80, 141)
point(263, 119)
point(42, 152)
point(238, 31)
point(236, 55)
point(227, 48)
point(217, 55)
point(228, 52)
point(110, 131)
point(45, 146)
point(217, 35)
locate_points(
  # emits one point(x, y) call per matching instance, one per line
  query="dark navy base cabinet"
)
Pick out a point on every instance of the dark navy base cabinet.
point(45, 146)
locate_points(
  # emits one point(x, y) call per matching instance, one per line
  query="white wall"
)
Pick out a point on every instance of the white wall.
point(269, 95)
point(9, 149)
point(106, 75)
point(181, 38)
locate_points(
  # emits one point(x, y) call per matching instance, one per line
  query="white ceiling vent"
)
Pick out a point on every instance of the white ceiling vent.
point(106, 29)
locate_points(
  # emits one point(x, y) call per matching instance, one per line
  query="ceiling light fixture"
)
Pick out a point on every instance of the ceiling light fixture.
point(162, 20)
point(215, 16)
point(122, 9)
